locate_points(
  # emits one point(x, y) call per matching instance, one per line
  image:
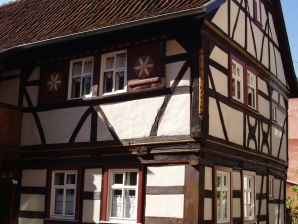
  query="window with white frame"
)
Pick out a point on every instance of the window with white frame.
point(248, 197)
point(80, 78)
point(237, 81)
point(274, 111)
point(123, 186)
point(113, 77)
point(271, 187)
point(251, 89)
point(223, 196)
point(63, 195)
point(257, 14)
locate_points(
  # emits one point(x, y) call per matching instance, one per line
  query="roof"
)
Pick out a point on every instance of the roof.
point(28, 21)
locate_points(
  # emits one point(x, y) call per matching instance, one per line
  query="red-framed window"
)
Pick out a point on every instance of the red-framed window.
point(122, 195)
point(243, 83)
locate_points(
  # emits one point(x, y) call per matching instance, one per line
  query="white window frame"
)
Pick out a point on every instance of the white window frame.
point(251, 74)
point(64, 187)
point(83, 60)
point(251, 190)
point(227, 189)
point(103, 70)
point(121, 187)
point(238, 79)
point(271, 187)
point(274, 111)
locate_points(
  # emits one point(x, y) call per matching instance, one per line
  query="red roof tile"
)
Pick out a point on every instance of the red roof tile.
point(27, 21)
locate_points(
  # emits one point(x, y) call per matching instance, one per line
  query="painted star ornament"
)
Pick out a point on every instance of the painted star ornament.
point(143, 66)
point(54, 82)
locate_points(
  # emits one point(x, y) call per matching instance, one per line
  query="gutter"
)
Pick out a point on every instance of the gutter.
point(202, 11)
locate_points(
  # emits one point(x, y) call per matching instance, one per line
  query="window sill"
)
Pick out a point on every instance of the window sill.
point(60, 220)
point(244, 106)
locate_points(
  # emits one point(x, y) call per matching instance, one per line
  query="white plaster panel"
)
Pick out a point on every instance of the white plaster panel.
point(262, 85)
point(258, 38)
point(264, 14)
point(281, 216)
point(215, 128)
point(250, 42)
point(240, 29)
point(271, 23)
point(176, 119)
point(220, 81)
point(280, 117)
point(103, 133)
point(264, 207)
point(33, 94)
point(207, 209)
point(280, 68)
point(258, 184)
point(9, 73)
point(172, 70)
point(91, 211)
point(208, 178)
point(29, 133)
point(276, 136)
point(139, 114)
point(273, 211)
point(35, 75)
point(165, 205)
point(275, 95)
point(265, 59)
point(32, 202)
point(173, 48)
point(220, 18)
point(272, 59)
point(84, 133)
point(58, 125)
point(9, 91)
point(30, 221)
point(236, 180)
point(264, 107)
point(276, 188)
point(166, 175)
point(250, 7)
point(236, 207)
point(233, 120)
point(220, 57)
point(93, 179)
point(252, 121)
point(34, 178)
point(283, 151)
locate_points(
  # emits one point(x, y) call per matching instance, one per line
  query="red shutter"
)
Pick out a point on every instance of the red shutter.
point(144, 66)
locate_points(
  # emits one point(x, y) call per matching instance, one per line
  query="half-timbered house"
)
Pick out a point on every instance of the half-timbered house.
point(143, 111)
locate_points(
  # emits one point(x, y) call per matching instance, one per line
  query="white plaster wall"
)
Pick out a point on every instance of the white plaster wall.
point(30, 221)
point(281, 116)
point(220, 18)
point(173, 48)
point(250, 8)
point(276, 188)
point(207, 209)
point(35, 75)
point(220, 81)
point(236, 207)
point(33, 94)
point(208, 178)
point(250, 43)
point(283, 151)
point(253, 122)
point(139, 114)
point(93, 179)
point(264, 107)
point(258, 184)
point(176, 119)
point(262, 86)
point(264, 207)
point(258, 38)
point(34, 178)
point(32, 202)
point(273, 213)
point(58, 125)
point(271, 23)
point(172, 70)
point(103, 133)
point(280, 68)
point(240, 28)
point(265, 59)
point(91, 211)
point(276, 136)
point(272, 59)
point(9, 91)
point(282, 213)
point(264, 15)
point(275, 95)
point(220, 57)
point(29, 131)
point(165, 206)
point(166, 175)
point(215, 127)
point(236, 180)
point(84, 133)
point(234, 122)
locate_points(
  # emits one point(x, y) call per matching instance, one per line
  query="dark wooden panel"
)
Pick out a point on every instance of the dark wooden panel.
point(89, 195)
point(236, 193)
point(163, 220)
point(191, 197)
point(237, 220)
point(208, 194)
point(156, 190)
point(33, 190)
point(31, 214)
point(260, 196)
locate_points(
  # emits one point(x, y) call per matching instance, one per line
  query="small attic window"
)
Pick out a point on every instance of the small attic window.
point(257, 11)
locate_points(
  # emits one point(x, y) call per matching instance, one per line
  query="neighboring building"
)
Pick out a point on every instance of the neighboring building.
point(292, 178)
point(144, 111)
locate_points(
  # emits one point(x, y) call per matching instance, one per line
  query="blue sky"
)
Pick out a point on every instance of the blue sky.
point(290, 10)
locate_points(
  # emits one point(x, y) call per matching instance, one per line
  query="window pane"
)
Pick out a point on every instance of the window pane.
point(58, 201)
point(118, 178)
point(77, 68)
point(59, 178)
point(119, 80)
point(224, 181)
point(75, 89)
point(108, 82)
point(110, 63)
point(88, 67)
point(117, 203)
point(224, 205)
point(130, 204)
point(131, 178)
point(120, 60)
point(219, 181)
point(218, 205)
point(238, 90)
point(86, 85)
point(251, 97)
point(69, 202)
point(233, 87)
point(71, 179)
